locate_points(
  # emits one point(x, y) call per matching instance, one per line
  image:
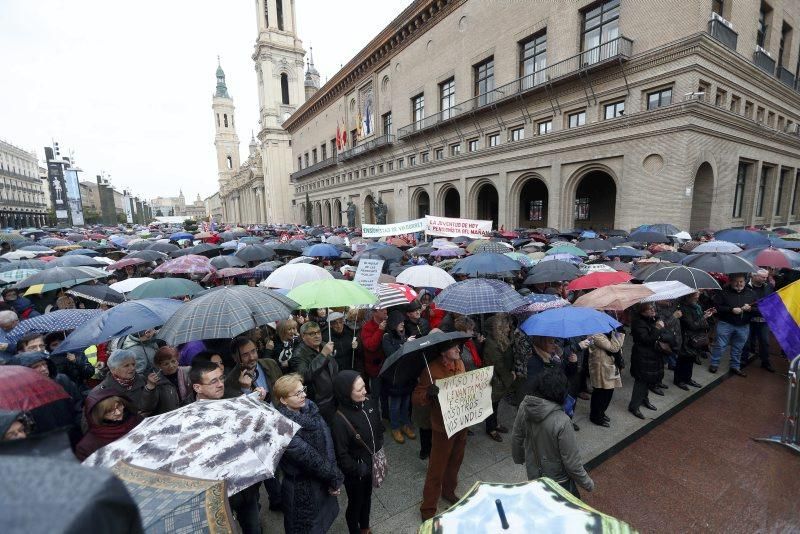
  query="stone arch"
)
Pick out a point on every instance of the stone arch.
point(486, 202)
point(532, 198)
point(702, 197)
point(369, 210)
point(448, 201)
point(420, 203)
point(336, 215)
point(591, 196)
point(326, 213)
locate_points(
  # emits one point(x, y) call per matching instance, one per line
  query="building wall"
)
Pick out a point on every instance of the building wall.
point(22, 191)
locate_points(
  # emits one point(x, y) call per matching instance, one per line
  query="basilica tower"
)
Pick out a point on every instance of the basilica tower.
point(225, 138)
point(278, 58)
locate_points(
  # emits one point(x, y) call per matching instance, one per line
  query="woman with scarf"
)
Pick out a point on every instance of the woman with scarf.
point(285, 342)
point(123, 379)
point(168, 388)
point(110, 415)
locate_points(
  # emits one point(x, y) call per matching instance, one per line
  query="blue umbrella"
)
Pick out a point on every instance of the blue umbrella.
point(623, 252)
point(648, 236)
point(569, 322)
point(180, 235)
point(479, 295)
point(322, 250)
point(485, 263)
point(777, 242)
point(82, 252)
point(746, 237)
point(126, 318)
point(666, 229)
point(57, 321)
point(588, 234)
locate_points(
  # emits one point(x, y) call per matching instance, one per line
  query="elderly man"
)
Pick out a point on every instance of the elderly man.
point(734, 306)
point(313, 360)
point(8, 320)
point(759, 331)
point(344, 341)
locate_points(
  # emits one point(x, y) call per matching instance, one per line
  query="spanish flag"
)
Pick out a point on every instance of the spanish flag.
point(781, 310)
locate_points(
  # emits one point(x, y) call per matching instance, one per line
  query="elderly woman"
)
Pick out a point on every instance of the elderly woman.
point(647, 364)
point(498, 352)
point(605, 363)
point(168, 388)
point(311, 478)
point(123, 379)
point(110, 416)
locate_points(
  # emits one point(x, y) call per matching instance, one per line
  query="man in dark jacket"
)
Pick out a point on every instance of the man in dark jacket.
point(314, 361)
point(344, 341)
point(734, 305)
point(416, 326)
point(74, 366)
point(759, 331)
point(250, 372)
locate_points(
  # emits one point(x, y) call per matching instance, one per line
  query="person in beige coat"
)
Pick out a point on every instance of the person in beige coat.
point(605, 362)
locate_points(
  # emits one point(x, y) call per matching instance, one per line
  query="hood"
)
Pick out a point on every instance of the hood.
point(97, 394)
point(538, 408)
point(29, 359)
point(395, 318)
point(6, 418)
point(343, 386)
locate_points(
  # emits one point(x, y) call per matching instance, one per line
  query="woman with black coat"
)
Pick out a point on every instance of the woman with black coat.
point(399, 391)
point(694, 323)
point(357, 435)
point(647, 363)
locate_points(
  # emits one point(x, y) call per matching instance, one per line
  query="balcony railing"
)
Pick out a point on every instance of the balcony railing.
point(786, 76)
point(619, 48)
point(722, 33)
point(325, 163)
point(383, 140)
point(763, 61)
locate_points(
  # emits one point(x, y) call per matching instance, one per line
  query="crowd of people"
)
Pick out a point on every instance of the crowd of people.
point(321, 368)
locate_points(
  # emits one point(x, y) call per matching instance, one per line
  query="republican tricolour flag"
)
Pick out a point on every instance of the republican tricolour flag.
point(781, 310)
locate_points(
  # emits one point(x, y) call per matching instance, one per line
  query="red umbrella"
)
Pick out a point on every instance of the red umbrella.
point(599, 279)
point(189, 264)
point(121, 264)
point(22, 388)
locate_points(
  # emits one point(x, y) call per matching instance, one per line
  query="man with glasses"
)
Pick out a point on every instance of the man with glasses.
point(314, 361)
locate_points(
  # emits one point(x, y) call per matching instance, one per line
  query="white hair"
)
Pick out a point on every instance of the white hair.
point(119, 357)
point(8, 317)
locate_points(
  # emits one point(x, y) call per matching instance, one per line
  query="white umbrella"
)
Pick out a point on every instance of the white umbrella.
point(129, 284)
point(301, 259)
point(596, 268)
point(716, 246)
point(291, 276)
point(19, 255)
point(425, 276)
point(103, 259)
point(668, 290)
point(682, 235)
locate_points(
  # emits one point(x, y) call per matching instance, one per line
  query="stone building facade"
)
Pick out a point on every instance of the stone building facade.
point(23, 200)
point(592, 114)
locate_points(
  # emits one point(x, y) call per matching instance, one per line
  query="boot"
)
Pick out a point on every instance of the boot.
point(398, 436)
point(409, 432)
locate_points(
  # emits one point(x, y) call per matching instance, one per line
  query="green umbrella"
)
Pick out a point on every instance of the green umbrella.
point(331, 294)
point(567, 249)
point(166, 288)
point(10, 238)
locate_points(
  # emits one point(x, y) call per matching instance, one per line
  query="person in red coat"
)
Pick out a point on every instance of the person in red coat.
point(110, 416)
point(371, 341)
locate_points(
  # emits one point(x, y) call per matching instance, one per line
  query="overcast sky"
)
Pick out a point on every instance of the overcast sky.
point(127, 86)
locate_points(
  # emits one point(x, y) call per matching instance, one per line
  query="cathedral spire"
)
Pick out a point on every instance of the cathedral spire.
point(311, 82)
point(222, 89)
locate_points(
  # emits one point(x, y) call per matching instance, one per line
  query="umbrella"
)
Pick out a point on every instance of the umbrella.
point(566, 249)
point(551, 271)
point(420, 346)
point(597, 268)
point(291, 276)
point(645, 236)
point(176, 503)
point(669, 290)
point(521, 258)
point(778, 258)
point(19, 255)
point(394, 295)
point(287, 249)
point(125, 262)
point(160, 246)
point(166, 288)
point(129, 284)
point(147, 255)
point(57, 321)
point(748, 238)
point(682, 235)
point(331, 294)
point(487, 246)
point(222, 262)
point(322, 250)
point(447, 265)
point(448, 252)
point(231, 272)
point(783, 243)
point(254, 253)
point(190, 264)
point(716, 246)
point(386, 252)
point(51, 242)
point(91, 244)
point(55, 278)
point(425, 276)
point(615, 297)
point(74, 261)
point(82, 252)
point(479, 295)
point(623, 252)
point(538, 302)
point(16, 275)
point(203, 249)
point(666, 229)
point(100, 293)
point(177, 236)
point(670, 255)
point(540, 505)
point(24, 389)
point(262, 270)
point(599, 279)
point(570, 321)
point(248, 437)
point(144, 245)
point(694, 278)
point(594, 245)
point(126, 318)
point(22, 264)
point(719, 262)
point(484, 263)
point(37, 248)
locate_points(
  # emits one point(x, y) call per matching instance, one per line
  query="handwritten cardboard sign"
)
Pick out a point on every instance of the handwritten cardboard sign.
point(368, 272)
point(465, 399)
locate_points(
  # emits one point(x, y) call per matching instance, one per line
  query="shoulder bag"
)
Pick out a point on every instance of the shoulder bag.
point(380, 466)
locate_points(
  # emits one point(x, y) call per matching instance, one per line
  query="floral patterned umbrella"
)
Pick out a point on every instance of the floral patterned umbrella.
point(189, 264)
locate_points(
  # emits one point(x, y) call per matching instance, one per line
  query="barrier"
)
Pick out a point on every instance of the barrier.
point(791, 432)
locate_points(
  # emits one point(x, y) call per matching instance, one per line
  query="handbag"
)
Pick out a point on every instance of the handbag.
point(698, 341)
point(380, 465)
point(663, 347)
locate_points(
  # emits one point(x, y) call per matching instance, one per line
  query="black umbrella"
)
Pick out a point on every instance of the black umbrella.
point(254, 253)
point(551, 271)
point(694, 278)
point(223, 262)
point(182, 252)
point(139, 245)
point(387, 252)
point(670, 255)
point(286, 249)
point(648, 237)
point(148, 255)
point(594, 245)
point(74, 261)
point(719, 262)
point(166, 248)
point(423, 347)
point(206, 249)
point(100, 293)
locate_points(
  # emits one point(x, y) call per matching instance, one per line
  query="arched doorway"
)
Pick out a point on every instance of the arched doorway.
point(423, 204)
point(369, 210)
point(595, 201)
point(487, 200)
point(702, 198)
point(326, 214)
point(533, 204)
point(336, 219)
point(452, 203)
point(317, 213)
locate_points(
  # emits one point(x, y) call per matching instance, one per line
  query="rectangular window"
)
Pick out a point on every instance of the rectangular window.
point(390, 165)
point(759, 114)
point(387, 123)
point(600, 26)
point(418, 108)
point(544, 127)
point(748, 109)
point(484, 81)
point(372, 171)
point(533, 60)
point(399, 164)
point(472, 145)
point(614, 110)
point(779, 191)
point(380, 168)
point(412, 160)
point(794, 194)
point(536, 210)
point(762, 191)
point(658, 99)
point(786, 32)
point(719, 98)
point(577, 119)
point(582, 209)
point(517, 134)
point(314, 155)
point(738, 195)
point(353, 135)
point(492, 140)
point(717, 6)
point(447, 98)
point(763, 25)
point(305, 156)
point(299, 163)
point(425, 157)
point(455, 150)
point(333, 147)
point(324, 150)
point(438, 153)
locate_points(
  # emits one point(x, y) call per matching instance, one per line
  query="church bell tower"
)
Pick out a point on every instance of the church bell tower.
point(225, 138)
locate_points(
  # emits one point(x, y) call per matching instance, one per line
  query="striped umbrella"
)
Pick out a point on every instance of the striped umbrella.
point(394, 295)
point(479, 295)
point(57, 321)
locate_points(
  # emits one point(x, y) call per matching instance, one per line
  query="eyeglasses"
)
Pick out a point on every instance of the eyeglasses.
point(301, 393)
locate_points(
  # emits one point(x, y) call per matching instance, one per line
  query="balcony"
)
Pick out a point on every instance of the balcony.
point(383, 140)
point(594, 58)
point(324, 164)
point(723, 33)
point(763, 61)
point(786, 76)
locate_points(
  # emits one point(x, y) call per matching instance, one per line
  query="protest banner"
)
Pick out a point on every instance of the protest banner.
point(381, 230)
point(465, 399)
point(368, 273)
point(447, 227)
